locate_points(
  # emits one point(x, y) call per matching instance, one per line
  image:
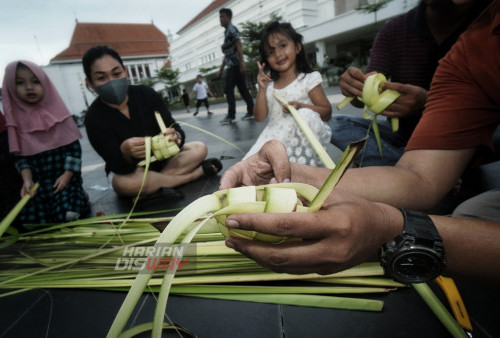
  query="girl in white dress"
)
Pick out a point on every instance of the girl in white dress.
point(283, 68)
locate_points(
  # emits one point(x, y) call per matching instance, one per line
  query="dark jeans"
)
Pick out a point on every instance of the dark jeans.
point(235, 78)
point(347, 129)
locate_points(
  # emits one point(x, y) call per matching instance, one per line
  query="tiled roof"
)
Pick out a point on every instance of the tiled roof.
point(126, 39)
point(213, 5)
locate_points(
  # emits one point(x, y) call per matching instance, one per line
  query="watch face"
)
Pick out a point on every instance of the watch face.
point(416, 266)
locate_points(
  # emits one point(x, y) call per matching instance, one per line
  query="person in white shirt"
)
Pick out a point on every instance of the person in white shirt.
point(201, 89)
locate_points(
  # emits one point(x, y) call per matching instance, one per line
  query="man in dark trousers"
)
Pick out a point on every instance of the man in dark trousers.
point(235, 73)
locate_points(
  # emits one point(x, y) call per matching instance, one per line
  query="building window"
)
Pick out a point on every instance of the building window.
point(138, 72)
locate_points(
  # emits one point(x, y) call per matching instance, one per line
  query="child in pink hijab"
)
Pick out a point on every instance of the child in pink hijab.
point(45, 140)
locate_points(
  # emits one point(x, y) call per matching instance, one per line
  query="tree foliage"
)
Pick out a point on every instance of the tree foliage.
point(207, 70)
point(170, 77)
point(373, 7)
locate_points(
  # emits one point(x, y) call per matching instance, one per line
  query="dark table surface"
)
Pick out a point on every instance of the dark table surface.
point(88, 313)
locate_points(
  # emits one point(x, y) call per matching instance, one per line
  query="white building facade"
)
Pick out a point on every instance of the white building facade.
point(69, 78)
point(326, 25)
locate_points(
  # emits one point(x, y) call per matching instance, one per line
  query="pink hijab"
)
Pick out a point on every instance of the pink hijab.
point(35, 128)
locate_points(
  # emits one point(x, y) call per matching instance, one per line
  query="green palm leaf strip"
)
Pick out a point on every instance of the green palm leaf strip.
point(311, 137)
point(11, 216)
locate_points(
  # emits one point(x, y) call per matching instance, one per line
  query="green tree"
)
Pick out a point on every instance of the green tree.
point(373, 7)
point(170, 77)
point(207, 70)
point(148, 82)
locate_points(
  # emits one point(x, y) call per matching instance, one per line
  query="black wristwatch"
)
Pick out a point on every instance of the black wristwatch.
point(416, 255)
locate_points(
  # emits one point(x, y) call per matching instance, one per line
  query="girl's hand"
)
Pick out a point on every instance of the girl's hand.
point(263, 78)
point(296, 104)
point(62, 181)
point(26, 188)
point(133, 147)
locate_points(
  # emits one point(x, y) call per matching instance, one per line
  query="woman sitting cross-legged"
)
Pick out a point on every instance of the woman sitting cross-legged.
point(122, 116)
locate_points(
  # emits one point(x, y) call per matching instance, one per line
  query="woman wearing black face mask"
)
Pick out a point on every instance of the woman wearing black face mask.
point(122, 116)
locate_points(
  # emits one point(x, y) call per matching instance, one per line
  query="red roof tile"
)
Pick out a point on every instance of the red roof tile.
point(126, 39)
point(213, 5)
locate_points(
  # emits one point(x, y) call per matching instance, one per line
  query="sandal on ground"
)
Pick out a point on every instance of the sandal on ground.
point(209, 164)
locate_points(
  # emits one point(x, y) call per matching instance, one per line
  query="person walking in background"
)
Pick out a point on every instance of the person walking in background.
point(45, 141)
point(235, 64)
point(283, 68)
point(201, 89)
point(118, 121)
point(406, 50)
point(185, 100)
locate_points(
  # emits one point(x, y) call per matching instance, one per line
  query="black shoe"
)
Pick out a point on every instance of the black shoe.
point(227, 120)
point(195, 113)
point(247, 117)
point(209, 113)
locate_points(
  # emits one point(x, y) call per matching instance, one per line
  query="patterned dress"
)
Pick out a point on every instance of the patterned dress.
point(46, 167)
point(282, 126)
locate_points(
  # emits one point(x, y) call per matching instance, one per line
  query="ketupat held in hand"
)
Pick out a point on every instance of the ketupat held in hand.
point(376, 100)
point(161, 146)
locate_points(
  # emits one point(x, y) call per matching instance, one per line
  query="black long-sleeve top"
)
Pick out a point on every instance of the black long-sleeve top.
point(107, 127)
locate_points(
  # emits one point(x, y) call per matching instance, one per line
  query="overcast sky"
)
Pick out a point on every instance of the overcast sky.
point(37, 30)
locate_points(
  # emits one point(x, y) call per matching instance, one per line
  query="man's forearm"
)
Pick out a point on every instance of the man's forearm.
point(390, 185)
point(471, 247)
point(378, 184)
point(419, 180)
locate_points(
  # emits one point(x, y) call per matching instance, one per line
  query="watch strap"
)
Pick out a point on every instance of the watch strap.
point(419, 237)
point(420, 226)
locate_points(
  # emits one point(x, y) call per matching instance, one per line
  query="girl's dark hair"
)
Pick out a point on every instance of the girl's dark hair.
point(95, 53)
point(287, 30)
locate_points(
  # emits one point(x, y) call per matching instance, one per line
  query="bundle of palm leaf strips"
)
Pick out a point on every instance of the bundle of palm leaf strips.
point(99, 253)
